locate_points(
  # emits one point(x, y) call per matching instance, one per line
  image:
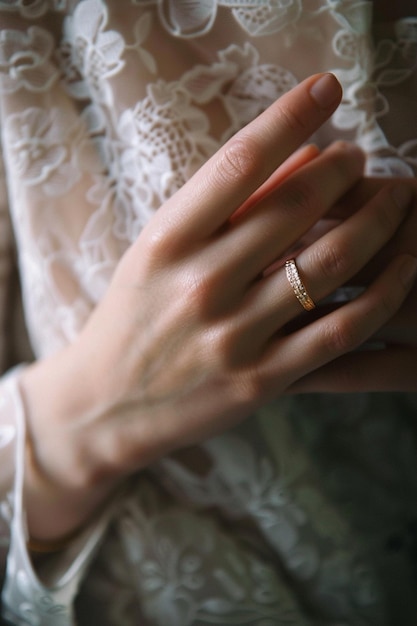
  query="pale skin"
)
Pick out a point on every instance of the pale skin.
point(190, 337)
point(394, 367)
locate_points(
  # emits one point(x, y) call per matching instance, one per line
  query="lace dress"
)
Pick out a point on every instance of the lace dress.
point(307, 512)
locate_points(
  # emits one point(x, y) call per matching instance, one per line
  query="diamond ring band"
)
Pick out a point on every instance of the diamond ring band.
point(298, 286)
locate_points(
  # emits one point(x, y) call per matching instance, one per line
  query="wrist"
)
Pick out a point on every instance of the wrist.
point(56, 514)
point(62, 490)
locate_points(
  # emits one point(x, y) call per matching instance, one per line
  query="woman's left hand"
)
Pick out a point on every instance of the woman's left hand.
point(390, 362)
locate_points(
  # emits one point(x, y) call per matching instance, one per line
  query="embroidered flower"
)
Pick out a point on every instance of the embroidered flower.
point(46, 150)
point(164, 130)
point(173, 568)
point(89, 54)
point(266, 18)
point(37, 149)
point(114, 191)
point(34, 8)
point(255, 87)
point(391, 165)
point(186, 18)
point(235, 79)
point(25, 60)
point(30, 603)
point(193, 18)
point(254, 487)
point(161, 143)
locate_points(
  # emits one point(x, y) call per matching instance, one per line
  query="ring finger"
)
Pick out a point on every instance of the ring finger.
point(265, 232)
point(328, 263)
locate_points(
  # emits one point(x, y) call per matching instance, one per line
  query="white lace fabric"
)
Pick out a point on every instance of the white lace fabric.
point(107, 108)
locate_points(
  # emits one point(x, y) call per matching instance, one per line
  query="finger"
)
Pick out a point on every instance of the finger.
point(343, 330)
point(393, 369)
point(328, 263)
point(402, 327)
point(404, 242)
point(262, 235)
point(342, 252)
point(294, 162)
point(245, 162)
point(362, 192)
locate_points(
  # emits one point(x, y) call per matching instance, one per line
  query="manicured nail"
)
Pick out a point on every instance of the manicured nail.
point(402, 195)
point(326, 91)
point(409, 271)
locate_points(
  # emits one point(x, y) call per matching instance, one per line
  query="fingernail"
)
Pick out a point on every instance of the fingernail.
point(326, 91)
point(409, 271)
point(402, 195)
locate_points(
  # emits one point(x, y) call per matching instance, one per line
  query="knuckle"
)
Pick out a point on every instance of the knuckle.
point(299, 199)
point(198, 289)
point(388, 304)
point(156, 244)
point(204, 288)
point(157, 248)
point(220, 347)
point(249, 387)
point(340, 337)
point(387, 217)
point(290, 119)
point(217, 345)
point(333, 260)
point(225, 346)
point(240, 160)
point(346, 163)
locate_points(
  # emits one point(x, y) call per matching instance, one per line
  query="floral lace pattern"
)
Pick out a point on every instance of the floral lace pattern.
point(179, 557)
point(257, 17)
point(25, 60)
point(102, 121)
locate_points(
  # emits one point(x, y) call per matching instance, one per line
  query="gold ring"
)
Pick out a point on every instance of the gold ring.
point(298, 286)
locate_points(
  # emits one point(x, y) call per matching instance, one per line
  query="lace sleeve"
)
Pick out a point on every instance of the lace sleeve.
point(7, 446)
point(44, 596)
point(7, 423)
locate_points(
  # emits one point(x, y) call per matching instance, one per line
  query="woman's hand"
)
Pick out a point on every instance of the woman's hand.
point(190, 337)
point(390, 361)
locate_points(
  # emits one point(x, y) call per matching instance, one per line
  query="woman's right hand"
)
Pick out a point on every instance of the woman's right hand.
point(190, 337)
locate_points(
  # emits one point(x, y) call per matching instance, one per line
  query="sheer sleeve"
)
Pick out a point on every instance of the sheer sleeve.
point(7, 421)
point(45, 592)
